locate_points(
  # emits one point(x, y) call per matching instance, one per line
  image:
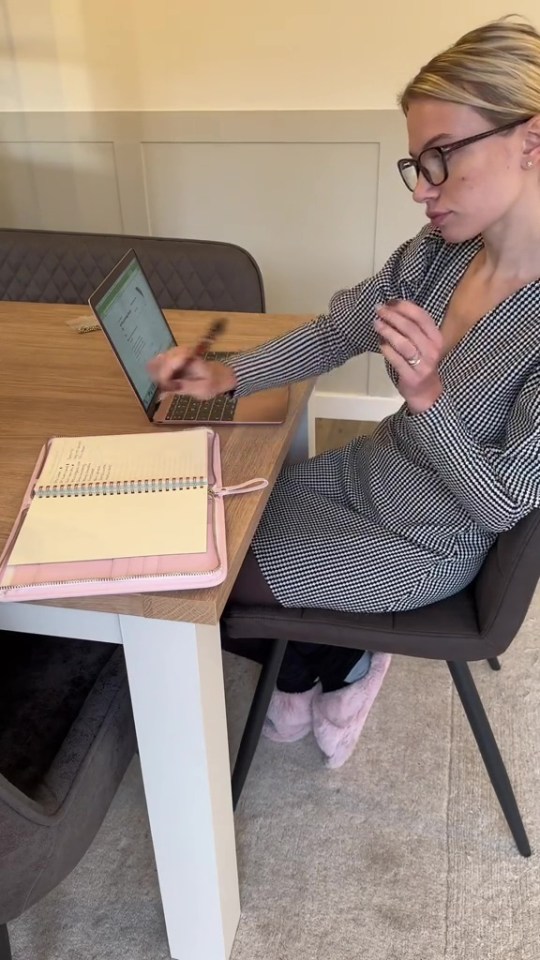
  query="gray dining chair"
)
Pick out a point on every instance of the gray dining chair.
point(66, 739)
point(479, 623)
point(47, 266)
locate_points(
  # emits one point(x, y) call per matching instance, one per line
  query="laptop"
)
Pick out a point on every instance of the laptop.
point(137, 330)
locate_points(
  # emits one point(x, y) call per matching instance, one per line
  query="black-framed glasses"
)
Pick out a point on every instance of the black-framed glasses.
point(432, 162)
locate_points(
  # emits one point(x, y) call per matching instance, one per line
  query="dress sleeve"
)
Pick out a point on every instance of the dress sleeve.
point(344, 332)
point(496, 485)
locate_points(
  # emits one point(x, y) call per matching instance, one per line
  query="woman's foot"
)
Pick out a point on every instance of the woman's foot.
point(339, 716)
point(289, 716)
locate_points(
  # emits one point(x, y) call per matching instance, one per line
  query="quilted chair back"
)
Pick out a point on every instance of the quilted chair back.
point(50, 267)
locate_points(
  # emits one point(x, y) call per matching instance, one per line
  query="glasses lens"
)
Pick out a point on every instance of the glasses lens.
point(432, 166)
point(408, 173)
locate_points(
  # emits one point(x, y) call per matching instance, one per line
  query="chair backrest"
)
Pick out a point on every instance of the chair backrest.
point(506, 583)
point(52, 267)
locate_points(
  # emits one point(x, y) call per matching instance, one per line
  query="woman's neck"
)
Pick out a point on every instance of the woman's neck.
point(512, 245)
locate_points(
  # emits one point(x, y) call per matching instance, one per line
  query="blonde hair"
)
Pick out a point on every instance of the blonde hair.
point(495, 69)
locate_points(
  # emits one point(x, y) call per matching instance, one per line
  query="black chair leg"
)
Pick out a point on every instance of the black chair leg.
point(476, 715)
point(255, 720)
point(494, 663)
point(5, 949)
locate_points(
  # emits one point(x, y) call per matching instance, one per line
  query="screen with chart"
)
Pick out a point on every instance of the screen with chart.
point(135, 326)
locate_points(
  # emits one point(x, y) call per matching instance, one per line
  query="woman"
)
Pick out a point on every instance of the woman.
point(405, 517)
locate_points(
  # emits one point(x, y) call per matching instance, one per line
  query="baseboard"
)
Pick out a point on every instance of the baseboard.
point(351, 406)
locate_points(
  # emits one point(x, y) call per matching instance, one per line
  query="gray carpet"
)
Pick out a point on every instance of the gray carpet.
point(401, 855)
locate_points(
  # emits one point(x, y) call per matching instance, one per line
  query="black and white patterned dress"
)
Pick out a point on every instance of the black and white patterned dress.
point(405, 517)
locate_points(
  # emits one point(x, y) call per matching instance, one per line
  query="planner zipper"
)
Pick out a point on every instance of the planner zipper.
point(80, 583)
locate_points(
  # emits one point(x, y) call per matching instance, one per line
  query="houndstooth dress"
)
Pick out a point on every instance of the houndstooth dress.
point(405, 517)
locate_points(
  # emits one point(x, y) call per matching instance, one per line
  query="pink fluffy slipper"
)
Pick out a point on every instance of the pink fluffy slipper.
point(339, 716)
point(289, 716)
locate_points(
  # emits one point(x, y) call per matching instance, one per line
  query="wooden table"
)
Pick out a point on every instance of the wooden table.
point(55, 381)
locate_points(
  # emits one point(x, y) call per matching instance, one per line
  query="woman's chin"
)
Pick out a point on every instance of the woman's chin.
point(454, 231)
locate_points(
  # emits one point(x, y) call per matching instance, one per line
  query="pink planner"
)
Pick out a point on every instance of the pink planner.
point(127, 514)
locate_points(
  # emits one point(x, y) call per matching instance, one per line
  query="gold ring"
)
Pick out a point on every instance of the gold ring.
point(414, 361)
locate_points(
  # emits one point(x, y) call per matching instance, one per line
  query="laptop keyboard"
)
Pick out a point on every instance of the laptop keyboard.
point(220, 409)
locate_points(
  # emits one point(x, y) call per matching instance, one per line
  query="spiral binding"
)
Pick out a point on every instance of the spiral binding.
point(114, 488)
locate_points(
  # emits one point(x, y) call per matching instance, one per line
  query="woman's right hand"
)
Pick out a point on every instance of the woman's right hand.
point(202, 379)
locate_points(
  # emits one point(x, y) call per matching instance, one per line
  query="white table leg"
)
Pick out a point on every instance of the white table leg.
point(176, 683)
point(303, 444)
point(309, 419)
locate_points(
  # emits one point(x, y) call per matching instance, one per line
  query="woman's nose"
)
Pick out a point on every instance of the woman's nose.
point(424, 190)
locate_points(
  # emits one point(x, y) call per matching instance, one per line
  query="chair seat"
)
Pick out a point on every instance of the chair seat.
point(43, 686)
point(478, 623)
point(447, 630)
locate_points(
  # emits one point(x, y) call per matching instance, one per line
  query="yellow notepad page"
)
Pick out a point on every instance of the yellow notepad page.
point(83, 460)
point(58, 529)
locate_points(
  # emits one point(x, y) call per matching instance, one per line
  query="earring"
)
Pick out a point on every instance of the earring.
point(529, 164)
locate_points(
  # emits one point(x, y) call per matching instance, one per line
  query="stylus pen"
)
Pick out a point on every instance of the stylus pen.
point(216, 329)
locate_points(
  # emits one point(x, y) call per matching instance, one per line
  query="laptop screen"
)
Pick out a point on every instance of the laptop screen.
point(135, 325)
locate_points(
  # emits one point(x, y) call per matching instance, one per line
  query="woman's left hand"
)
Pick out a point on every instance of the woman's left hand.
point(413, 345)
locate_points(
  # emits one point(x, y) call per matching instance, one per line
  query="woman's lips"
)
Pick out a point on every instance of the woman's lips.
point(437, 218)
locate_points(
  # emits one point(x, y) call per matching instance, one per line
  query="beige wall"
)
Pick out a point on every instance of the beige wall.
point(224, 54)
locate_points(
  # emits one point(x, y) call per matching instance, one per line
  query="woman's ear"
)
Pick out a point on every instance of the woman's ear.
point(531, 143)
